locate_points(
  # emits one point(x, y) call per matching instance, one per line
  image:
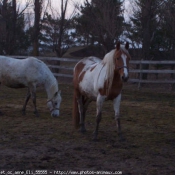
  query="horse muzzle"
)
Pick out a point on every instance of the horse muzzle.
point(124, 78)
point(55, 113)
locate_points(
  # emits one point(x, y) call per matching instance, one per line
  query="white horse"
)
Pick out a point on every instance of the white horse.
point(31, 72)
point(99, 80)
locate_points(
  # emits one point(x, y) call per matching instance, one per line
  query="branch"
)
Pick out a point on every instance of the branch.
point(28, 4)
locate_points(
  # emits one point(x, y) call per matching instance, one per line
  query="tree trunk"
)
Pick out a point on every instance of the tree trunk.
point(59, 50)
point(146, 19)
point(4, 15)
point(13, 31)
point(36, 30)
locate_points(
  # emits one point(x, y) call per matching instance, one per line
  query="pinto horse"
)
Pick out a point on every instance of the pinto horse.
point(31, 72)
point(99, 80)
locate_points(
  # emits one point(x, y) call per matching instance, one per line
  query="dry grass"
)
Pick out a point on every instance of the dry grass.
point(148, 124)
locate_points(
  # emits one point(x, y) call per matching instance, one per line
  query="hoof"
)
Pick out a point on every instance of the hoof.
point(82, 130)
point(23, 112)
point(1, 113)
point(94, 139)
point(121, 138)
point(36, 114)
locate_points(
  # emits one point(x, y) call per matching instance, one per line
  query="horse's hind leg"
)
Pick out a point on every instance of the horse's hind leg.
point(34, 102)
point(100, 100)
point(86, 103)
point(32, 90)
point(26, 101)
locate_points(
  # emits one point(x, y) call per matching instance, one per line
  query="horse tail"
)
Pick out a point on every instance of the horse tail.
point(75, 113)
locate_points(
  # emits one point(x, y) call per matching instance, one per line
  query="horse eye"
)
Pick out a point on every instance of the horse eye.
point(55, 103)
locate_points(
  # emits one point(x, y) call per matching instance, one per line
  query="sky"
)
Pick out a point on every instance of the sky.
point(56, 6)
point(56, 3)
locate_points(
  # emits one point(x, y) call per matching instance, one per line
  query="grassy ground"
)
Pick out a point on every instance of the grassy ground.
point(148, 125)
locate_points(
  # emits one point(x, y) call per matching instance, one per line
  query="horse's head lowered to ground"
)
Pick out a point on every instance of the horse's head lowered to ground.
point(54, 104)
point(32, 73)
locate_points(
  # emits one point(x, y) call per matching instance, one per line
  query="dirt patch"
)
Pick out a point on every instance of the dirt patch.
point(31, 143)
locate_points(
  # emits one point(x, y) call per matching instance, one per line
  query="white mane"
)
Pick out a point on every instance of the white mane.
point(109, 62)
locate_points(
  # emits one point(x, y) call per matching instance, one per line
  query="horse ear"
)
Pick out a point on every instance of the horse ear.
point(127, 46)
point(118, 45)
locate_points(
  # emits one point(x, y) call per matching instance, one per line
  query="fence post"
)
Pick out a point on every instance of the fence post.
point(140, 75)
point(172, 68)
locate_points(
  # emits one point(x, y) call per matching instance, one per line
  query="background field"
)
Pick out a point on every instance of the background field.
point(148, 125)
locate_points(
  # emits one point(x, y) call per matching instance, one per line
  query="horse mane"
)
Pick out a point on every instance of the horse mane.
point(52, 89)
point(109, 62)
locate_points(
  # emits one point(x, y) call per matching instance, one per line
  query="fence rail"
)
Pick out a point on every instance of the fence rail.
point(162, 72)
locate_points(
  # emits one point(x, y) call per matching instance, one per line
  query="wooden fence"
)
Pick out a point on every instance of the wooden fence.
point(162, 72)
point(158, 72)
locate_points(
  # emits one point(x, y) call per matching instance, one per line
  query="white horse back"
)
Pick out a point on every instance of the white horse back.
point(20, 72)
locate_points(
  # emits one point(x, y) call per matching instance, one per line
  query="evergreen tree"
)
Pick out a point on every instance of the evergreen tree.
point(145, 26)
point(50, 34)
point(100, 22)
point(167, 34)
point(15, 38)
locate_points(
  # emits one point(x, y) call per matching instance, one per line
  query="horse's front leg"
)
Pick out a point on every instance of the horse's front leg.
point(82, 114)
point(99, 103)
point(116, 102)
point(26, 101)
point(34, 103)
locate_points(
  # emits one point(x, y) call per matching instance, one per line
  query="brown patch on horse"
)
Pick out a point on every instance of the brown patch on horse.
point(119, 51)
point(78, 69)
point(117, 54)
point(115, 88)
point(81, 76)
point(92, 68)
point(75, 112)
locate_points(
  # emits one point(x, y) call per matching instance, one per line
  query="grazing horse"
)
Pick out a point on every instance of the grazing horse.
point(31, 72)
point(99, 80)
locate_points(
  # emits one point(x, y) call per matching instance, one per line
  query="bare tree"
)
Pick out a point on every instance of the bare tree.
point(36, 28)
point(13, 32)
point(64, 25)
point(61, 30)
point(2, 28)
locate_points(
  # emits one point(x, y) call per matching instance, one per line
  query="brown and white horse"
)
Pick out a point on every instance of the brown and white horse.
point(99, 80)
